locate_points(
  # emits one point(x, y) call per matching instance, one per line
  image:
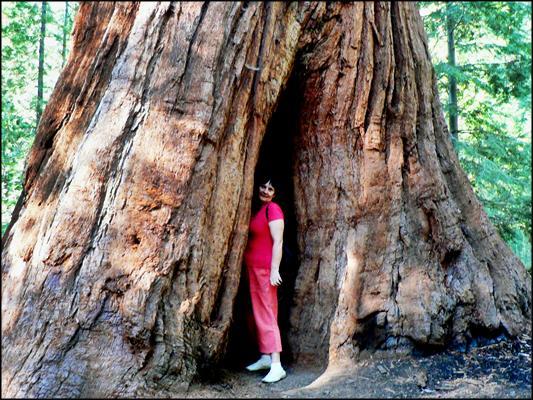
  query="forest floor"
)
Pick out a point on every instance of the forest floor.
point(501, 369)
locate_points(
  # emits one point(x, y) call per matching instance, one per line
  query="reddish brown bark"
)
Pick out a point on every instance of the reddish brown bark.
point(395, 235)
point(123, 261)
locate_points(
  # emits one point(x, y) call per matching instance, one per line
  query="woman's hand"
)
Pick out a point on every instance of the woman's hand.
point(275, 277)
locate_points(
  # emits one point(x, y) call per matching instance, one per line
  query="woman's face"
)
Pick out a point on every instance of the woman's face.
point(266, 192)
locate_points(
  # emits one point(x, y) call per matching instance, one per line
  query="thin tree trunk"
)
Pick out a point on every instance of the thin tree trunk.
point(453, 110)
point(121, 269)
point(65, 25)
point(40, 72)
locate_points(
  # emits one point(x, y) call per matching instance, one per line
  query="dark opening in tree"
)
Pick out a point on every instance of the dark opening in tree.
point(276, 157)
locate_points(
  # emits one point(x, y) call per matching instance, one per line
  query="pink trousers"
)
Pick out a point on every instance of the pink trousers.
point(265, 309)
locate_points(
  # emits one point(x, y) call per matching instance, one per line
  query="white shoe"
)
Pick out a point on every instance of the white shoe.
point(263, 363)
point(276, 373)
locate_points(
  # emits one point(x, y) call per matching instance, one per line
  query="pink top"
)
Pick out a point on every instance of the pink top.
point(258, 252)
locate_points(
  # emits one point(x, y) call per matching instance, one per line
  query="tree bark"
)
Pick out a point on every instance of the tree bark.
point(122, 264)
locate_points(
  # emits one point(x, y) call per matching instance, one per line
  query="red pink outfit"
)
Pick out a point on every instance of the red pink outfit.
point(257, 257)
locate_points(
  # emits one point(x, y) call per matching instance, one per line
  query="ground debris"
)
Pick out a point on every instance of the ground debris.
point(496, 370)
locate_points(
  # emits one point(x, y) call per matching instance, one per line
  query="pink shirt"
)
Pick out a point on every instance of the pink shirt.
point(258, 251)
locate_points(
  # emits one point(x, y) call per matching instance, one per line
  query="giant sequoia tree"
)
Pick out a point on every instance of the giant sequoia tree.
point(122, 263)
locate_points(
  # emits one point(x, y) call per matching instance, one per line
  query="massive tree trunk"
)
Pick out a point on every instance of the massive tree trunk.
point(123, 260)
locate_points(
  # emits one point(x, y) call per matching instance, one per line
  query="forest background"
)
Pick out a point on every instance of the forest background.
point(481, 52)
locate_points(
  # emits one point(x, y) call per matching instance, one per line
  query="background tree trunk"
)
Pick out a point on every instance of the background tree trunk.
point(123, 260)
point(40, 70)
point(452, 81)
point(65, 32)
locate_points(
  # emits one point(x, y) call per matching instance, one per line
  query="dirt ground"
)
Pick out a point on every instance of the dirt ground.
point(497, 369)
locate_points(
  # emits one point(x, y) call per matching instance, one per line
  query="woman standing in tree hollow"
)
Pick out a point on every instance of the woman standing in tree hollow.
point(262, 258)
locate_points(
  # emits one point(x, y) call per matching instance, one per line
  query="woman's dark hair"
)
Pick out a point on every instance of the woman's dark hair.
point(261, 179)
point(264, 178)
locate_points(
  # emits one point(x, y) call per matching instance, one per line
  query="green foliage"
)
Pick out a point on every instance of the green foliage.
point(20, 41)
point(493, 74)
point(20, 36)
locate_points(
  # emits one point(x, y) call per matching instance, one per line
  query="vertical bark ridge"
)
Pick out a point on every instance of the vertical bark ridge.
point(231, 270)
point(196, 25)
point(354, 304)
point(397, 115)
point(322, 256)
point(228, 163)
